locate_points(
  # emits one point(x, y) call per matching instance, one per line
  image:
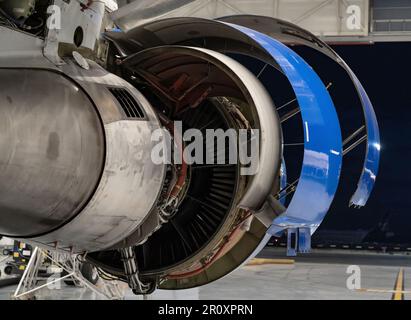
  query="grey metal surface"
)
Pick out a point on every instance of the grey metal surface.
point(52, 151)
point(22, 50)
point(199, 32)
point(96, 81)
point(142, 11)
point(54, 148)
point(130, 182)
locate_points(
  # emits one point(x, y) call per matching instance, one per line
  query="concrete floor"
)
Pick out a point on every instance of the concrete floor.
point(318, 276)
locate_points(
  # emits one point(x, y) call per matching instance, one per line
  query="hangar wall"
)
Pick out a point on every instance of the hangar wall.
point(322, 17)
point(335, 21)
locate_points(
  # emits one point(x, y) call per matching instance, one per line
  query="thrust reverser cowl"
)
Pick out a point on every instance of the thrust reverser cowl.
point(322, 139)
point(235, 39)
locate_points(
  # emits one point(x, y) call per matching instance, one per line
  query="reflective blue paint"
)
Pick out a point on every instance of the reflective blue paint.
point(373, 146)
point(283, 182)
point(372, 158)
point(323, 142)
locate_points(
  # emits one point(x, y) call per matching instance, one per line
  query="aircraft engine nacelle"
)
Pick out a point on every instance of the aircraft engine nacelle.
point(77, 173)
point(93, 155)
point(72, 160)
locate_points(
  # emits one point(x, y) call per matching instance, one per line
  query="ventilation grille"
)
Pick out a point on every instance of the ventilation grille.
point(130, 106)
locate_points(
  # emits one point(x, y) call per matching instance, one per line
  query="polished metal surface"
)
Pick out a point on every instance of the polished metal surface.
point(52, 151)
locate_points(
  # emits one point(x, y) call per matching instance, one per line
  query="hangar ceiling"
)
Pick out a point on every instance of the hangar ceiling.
point(345, 21)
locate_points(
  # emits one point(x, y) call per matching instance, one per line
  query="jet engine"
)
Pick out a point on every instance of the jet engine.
point(81, 116)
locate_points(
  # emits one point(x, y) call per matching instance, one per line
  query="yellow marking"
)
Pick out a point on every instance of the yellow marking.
point(399, 286)
point(16, 254)
point(382, 291)
point(260, 262)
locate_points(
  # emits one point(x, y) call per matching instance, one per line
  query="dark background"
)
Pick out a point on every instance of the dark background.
point(384, 70)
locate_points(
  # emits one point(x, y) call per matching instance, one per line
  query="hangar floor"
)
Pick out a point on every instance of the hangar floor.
point(321, 275)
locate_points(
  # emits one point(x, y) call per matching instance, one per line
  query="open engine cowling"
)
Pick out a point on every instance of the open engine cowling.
point(76, 168)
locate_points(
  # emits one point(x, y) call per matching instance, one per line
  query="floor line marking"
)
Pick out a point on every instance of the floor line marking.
point(260, 262)
point(399, 286)
point(382, 291)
